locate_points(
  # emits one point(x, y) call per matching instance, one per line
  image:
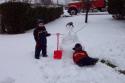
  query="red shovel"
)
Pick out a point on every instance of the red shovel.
point(57, 53)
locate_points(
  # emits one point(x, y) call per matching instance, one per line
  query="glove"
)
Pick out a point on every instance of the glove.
point(48, 34)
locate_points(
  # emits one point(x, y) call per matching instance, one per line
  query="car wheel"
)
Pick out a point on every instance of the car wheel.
point(73, 12)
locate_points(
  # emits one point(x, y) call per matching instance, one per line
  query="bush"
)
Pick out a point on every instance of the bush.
point(117, 8)
point(17, 17)
point(47, 13)
point(13, 16)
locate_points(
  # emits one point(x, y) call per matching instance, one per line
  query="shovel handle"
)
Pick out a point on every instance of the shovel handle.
point(57, 40)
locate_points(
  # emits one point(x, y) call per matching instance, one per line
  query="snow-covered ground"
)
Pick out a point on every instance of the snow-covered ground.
point(1, 1)
point(54, 1)
point(102, 37)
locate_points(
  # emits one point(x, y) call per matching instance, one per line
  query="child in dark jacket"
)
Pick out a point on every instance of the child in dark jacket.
point(40, 35)
point(81, 58)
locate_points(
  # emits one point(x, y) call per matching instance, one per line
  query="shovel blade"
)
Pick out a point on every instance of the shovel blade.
point(57, 54)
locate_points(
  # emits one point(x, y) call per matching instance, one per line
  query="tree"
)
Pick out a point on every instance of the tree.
point(19, 0)
point(14, 0)
point(46, 2)
point(87, 7)
point(27, 1)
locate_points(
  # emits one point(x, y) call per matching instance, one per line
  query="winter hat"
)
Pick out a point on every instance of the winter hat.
point(77, 47)
point(40, 21)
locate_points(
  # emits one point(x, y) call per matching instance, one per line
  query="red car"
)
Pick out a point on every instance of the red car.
point(75, 6)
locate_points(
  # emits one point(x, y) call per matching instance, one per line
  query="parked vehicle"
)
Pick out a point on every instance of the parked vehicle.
point(76, 6)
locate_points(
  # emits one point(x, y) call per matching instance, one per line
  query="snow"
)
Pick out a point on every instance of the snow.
point(64, 2)
point(54, 1)
point(1, 1)
point(102, 37)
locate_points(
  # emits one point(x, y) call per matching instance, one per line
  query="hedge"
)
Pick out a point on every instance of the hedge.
point(18, 17)
point(116, 7)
